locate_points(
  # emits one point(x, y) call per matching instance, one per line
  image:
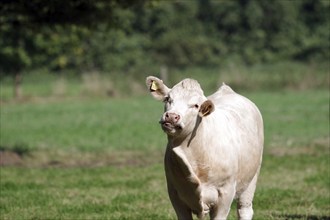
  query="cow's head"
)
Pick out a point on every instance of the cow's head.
point(184, 103)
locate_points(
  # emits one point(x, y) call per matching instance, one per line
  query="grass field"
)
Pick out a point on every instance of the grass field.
point(101, 158)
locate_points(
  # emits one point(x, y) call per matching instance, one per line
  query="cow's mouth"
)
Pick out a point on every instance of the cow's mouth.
point(169, 127)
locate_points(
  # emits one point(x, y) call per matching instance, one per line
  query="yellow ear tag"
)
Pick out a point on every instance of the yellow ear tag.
point(154, 86)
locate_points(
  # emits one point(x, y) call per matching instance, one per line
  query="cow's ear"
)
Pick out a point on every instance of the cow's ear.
point(157, 88)
point(206, 108)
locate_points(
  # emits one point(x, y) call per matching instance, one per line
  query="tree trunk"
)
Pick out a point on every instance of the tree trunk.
point(17, 85)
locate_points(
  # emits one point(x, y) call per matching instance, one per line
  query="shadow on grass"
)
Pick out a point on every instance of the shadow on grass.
point(23, 156)
point(306, 217)
point(20, 149)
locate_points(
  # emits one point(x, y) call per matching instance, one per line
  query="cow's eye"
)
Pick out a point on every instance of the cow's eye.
point(167, 99)
point(194, 106)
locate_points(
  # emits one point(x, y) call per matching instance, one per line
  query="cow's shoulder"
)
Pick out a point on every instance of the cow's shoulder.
point(225, 90)
point(222, 93)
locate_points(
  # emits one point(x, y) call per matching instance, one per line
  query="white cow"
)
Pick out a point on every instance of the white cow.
point(214, 149)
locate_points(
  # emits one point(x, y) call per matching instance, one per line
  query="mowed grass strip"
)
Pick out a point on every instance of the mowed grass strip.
point(92, 125)
point(102, 159)
point(290, 118)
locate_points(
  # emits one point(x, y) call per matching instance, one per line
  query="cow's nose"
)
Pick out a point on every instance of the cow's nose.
point(173, 117)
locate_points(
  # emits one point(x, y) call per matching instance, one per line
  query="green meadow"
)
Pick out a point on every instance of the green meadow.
point(69, 154)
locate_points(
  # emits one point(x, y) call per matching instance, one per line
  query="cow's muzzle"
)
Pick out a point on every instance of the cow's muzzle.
point(170, 122)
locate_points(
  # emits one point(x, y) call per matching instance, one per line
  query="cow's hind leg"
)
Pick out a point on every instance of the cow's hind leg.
point(244, 203)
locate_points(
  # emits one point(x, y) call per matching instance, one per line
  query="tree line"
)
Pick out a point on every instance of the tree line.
point(129, 35)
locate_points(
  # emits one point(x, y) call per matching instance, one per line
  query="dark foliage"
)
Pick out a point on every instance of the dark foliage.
point(132, 35)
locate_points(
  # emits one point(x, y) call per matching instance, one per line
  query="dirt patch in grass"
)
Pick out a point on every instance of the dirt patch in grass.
point(9, 158)
point(76, 158)
point(63, 159)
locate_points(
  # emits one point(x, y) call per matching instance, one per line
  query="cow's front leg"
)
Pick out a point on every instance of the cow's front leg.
point(182, 211)
point(226, 196)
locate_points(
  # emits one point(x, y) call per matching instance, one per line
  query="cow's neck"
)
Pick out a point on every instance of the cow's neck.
point(193, 148)
point(175, 141)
